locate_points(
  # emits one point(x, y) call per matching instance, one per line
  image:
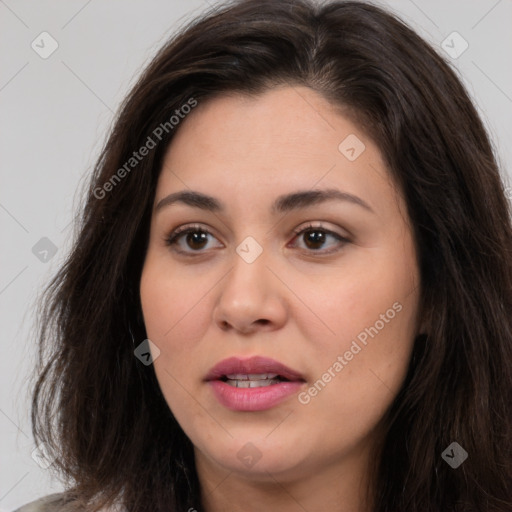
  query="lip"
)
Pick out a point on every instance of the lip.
point(256, 364)
point(253, 399)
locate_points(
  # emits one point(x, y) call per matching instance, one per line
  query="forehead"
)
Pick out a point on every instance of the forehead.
point(238, 146)
point(282, 119)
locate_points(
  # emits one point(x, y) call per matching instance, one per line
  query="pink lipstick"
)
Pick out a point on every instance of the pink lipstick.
point(253, 384)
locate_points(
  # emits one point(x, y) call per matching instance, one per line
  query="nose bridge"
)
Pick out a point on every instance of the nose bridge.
point(250, 291)
point(249, 266)
point(250, 250)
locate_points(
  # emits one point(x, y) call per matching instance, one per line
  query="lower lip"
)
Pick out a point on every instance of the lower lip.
point(253, 399)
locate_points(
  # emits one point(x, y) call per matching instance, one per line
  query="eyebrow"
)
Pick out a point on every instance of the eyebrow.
point(283, 203)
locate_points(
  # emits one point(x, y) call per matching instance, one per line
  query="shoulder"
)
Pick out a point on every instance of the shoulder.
point(49, 503)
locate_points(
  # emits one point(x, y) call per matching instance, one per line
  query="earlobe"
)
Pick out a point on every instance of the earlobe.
point(424, 328)
point(424, 324)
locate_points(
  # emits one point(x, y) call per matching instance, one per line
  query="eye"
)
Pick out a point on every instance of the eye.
point(196, 238)
point(315, 237)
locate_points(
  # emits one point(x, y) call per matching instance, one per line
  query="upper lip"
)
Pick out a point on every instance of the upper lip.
point(252, 365)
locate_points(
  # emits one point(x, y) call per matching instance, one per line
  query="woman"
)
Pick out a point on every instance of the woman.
point(292, 283)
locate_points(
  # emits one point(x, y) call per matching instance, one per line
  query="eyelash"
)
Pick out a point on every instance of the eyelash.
point(172, 238)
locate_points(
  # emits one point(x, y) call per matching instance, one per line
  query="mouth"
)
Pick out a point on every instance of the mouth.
point(253, 380)
point(253, 384)
point(253, 372)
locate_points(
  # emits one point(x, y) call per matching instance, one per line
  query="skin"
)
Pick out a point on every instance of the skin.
point(291, 304)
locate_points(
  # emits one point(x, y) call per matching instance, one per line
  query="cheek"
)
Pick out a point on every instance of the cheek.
point(348, 397)
point(175, 317)
point(173, 306)
point(360, 364)
point(368, 300)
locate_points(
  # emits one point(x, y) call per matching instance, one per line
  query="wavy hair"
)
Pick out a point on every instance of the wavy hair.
point(100, 411)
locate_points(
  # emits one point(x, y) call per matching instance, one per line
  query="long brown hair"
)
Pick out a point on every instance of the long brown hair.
point(100, 410)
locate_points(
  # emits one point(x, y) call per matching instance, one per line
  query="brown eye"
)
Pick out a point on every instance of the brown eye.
point(192, 240)
point(315, 238)
point(189, 240)
point(196, 239)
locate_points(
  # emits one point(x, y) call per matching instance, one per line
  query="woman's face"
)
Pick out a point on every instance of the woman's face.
point(326, 285)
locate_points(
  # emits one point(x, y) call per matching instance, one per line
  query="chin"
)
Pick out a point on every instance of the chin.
point(258, 459)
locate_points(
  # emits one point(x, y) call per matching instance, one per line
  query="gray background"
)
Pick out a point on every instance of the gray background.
point(56, 112)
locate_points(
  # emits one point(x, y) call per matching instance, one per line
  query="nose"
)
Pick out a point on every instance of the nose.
point(250, 297)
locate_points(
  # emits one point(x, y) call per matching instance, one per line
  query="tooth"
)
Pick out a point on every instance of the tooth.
point(237, 376)
point(252, 383)
point(251, 376)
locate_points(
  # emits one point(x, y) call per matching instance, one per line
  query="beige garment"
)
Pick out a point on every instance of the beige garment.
point(54, 503)
point(46, 504)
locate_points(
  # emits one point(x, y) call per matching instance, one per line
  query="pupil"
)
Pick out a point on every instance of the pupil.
point(319, 239)
point(197, 237)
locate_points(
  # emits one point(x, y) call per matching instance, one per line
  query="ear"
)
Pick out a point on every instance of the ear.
point(424, 325)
